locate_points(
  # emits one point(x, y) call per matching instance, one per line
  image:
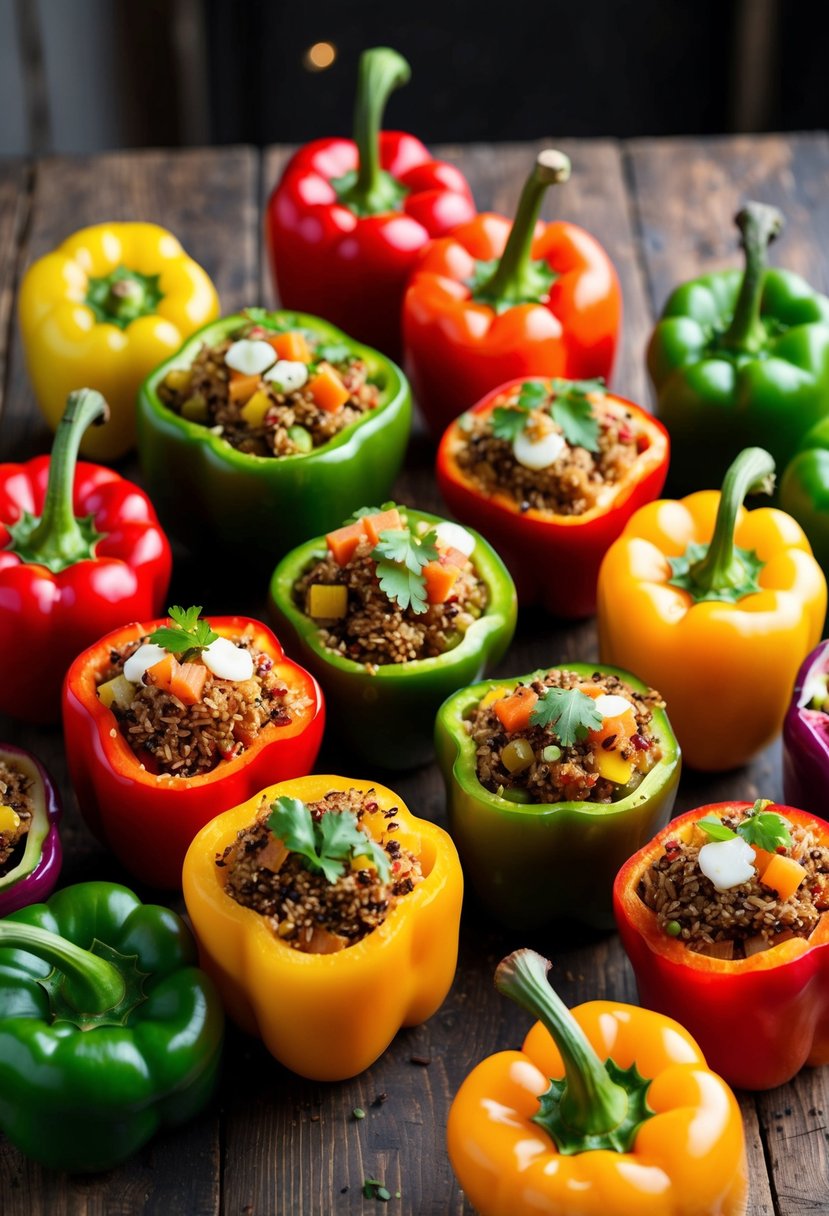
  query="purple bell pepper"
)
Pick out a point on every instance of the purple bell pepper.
point(806, 736)
point(35, 875)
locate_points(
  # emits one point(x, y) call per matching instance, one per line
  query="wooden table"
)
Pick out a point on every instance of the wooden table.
point(273, 1143)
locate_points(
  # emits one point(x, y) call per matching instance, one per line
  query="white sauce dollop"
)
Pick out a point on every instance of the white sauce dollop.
point(250, 356)
point(288, 375)
point(538, 453)
point(227, 661)
point(727, 863)
point(456, 537)
point(610, 705)
point(145, 656)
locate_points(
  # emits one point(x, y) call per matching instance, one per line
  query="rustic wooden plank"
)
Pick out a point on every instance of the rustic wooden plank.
point(15, 200)
point(794, 1122)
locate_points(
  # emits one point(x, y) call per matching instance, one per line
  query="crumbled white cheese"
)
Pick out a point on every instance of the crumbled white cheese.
point(144, 657)
point(227, 661)
point(288, 375)
point(456, 537)
point(727, 863)
point(538, 453)
point(251, 357)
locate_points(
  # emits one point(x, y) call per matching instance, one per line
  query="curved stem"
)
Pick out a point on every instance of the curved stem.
point(759, 225)
point(381, 71)
point(721, 568)
point(91, 985)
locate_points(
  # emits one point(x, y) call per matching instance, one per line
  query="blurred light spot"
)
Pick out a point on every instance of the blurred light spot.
point(319, 56)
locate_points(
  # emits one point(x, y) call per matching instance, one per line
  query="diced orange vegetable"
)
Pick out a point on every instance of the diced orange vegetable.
point(161, 673)
point(761, 859)
point(620, 729)
point(292, 345)
point(343, 542)
point(242, 388)
point(328, 390)
point(439, 581)
point(189, 683)
point(382, 521)
point(453, 557)
point(784, 875)
point(513, 712)
point(322, 941)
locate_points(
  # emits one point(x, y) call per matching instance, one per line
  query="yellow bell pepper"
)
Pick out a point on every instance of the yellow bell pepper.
point(329, 1016)
point(102, 311)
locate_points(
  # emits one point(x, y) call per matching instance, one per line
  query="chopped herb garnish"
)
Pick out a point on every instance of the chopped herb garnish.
point(374, 1189)
point(567, 712)
point(508, 421)
point(573, 411)
point(188, 636)
point(332, 352)
point(400, 558)
point(328, 844)
point(761, 828)
point(266, 319)
point(361, 512)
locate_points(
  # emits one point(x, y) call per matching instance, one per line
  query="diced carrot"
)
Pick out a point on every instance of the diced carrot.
point(343, 542)
point(242, 388)
point(439, 580)
point(161, 673)
point(513, 712)
point(784, 875)
point(619, 729)
point(381, 521)
point(188, 685)
point(292, 345)
point(761, 859)
point(328, 390)
point(454, 557)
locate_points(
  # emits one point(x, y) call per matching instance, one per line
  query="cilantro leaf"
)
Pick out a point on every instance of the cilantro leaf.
point(328, 844)
point(363, 511)
point(332, 352)
point(508, 422)
point(573, 411)
point(292, 822)
point(765, 829)
point(566, 712)
point(715, 828)
point(534, 395)
point(188, 636)
point(342, 838)
point(400, 558)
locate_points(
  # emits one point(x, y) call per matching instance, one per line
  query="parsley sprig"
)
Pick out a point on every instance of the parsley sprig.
point(400, 557)
point(188, 636)
point(761, 828)
point(326, 844)
point(568, 713)
point(569, 405)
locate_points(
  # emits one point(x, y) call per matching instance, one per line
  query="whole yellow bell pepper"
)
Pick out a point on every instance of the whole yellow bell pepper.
point(102, 311)
point(329, 1016)
point(716, 607)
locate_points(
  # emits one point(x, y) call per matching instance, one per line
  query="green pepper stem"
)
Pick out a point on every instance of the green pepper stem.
point(512, 280)
point(58, 537)
point(722, 567)
point(381, 71)
point(759, 225)
point(91, 985)
point(591, 1102)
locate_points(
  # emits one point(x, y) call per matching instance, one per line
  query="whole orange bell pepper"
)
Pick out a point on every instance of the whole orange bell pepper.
point(329, 1016)
point(608, 1110)
point(716, 607)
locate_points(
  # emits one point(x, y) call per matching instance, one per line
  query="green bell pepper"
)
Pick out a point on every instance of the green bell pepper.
point(255, 508)
point(739, 359)
point(804, 490)
point(107, 1029)
point(531, 863)
point(387, 715)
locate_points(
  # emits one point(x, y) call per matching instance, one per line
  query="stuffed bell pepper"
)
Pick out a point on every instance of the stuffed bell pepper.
point(724, 918)
point(329, 893)
point(268, 427)
point(169, 722)
point(392, 612)
point(348, 217)
point(607, 1110)
point(552, 780)
point(108, 1032)
point(550, 472)
point(717, 607)
point(804, 490)
point(30, 848)
point(81, 550)
point(806, 735)
point(497, 301)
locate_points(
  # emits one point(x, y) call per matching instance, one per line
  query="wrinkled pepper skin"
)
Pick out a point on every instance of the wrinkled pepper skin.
point(554, 559)
point(388, 717)
point(67, 343)
point(804, 490)
point(149, 820)
point(530, 864)
point(35, 875)
point(334, 1014)
point(806, 738)
point(779, 998)
point(256, 508)
point(82, 1091)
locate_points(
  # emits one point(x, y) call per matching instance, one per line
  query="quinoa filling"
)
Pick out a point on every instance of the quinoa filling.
point(16, 812)
point(303, 907)
point(524, 755)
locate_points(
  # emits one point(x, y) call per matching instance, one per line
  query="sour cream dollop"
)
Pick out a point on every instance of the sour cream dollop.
point(288, 375)
point(456, 537)
point(727, 863)
point(227, 661)
point(250, 357)
point(610, 705)
point(145, 656)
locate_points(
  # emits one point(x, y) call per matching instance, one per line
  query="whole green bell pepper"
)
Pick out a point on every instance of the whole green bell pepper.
point(255, 508)
point(107, 1029)
point(531, 863)
point(804, 489)
point(739, 359)
point(387, 715)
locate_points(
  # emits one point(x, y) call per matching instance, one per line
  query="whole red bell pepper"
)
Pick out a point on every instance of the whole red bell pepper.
point(776, 1002)
point(81, 550)
point(148, 819)
point(497, 300)
point(348, 218)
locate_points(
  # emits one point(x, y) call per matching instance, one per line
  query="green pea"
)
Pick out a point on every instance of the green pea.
point(551, 753)
point(673, 928)
point(300, 438)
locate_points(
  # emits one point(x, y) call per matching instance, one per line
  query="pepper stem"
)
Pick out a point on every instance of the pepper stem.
point(381, 71)
point(725, 570)
point(515, 279)
point(591, 1103)
point(91, 985)
point(759, 225)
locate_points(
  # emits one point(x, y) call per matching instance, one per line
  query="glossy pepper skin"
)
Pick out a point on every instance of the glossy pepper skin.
point(554, 559)
point(532, 863)
point(544, 301)
point(348, 218)
point(108, 1031)
point(387, 718)
point(36, 873)
point(804, 489)
point(335, 1013)
point(738, 358)
point(710, 656)
point(149, 820)
point(81, 549)
point(258, 507)
point(806, 736)
point(686, 1157)
point(104, 309)
point(779, 998)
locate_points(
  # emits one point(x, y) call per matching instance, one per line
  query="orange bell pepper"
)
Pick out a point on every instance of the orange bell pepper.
point(329, 1016)
point(716, 607)
point(608, 1110)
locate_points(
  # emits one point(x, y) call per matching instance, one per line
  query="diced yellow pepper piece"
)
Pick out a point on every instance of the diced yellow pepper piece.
point(177, 380)
point(363, 863)
point(489, 698)
point(256, 407)
point(612, 767)
point(118, 692)
point(327, 602)
point(9, 819)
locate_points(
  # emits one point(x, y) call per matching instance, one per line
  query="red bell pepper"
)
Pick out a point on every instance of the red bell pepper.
point(498, 300)
point(758, 1020)
point(554, 559)
point(348, 218)
point(81, 550)
point(147, 819)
